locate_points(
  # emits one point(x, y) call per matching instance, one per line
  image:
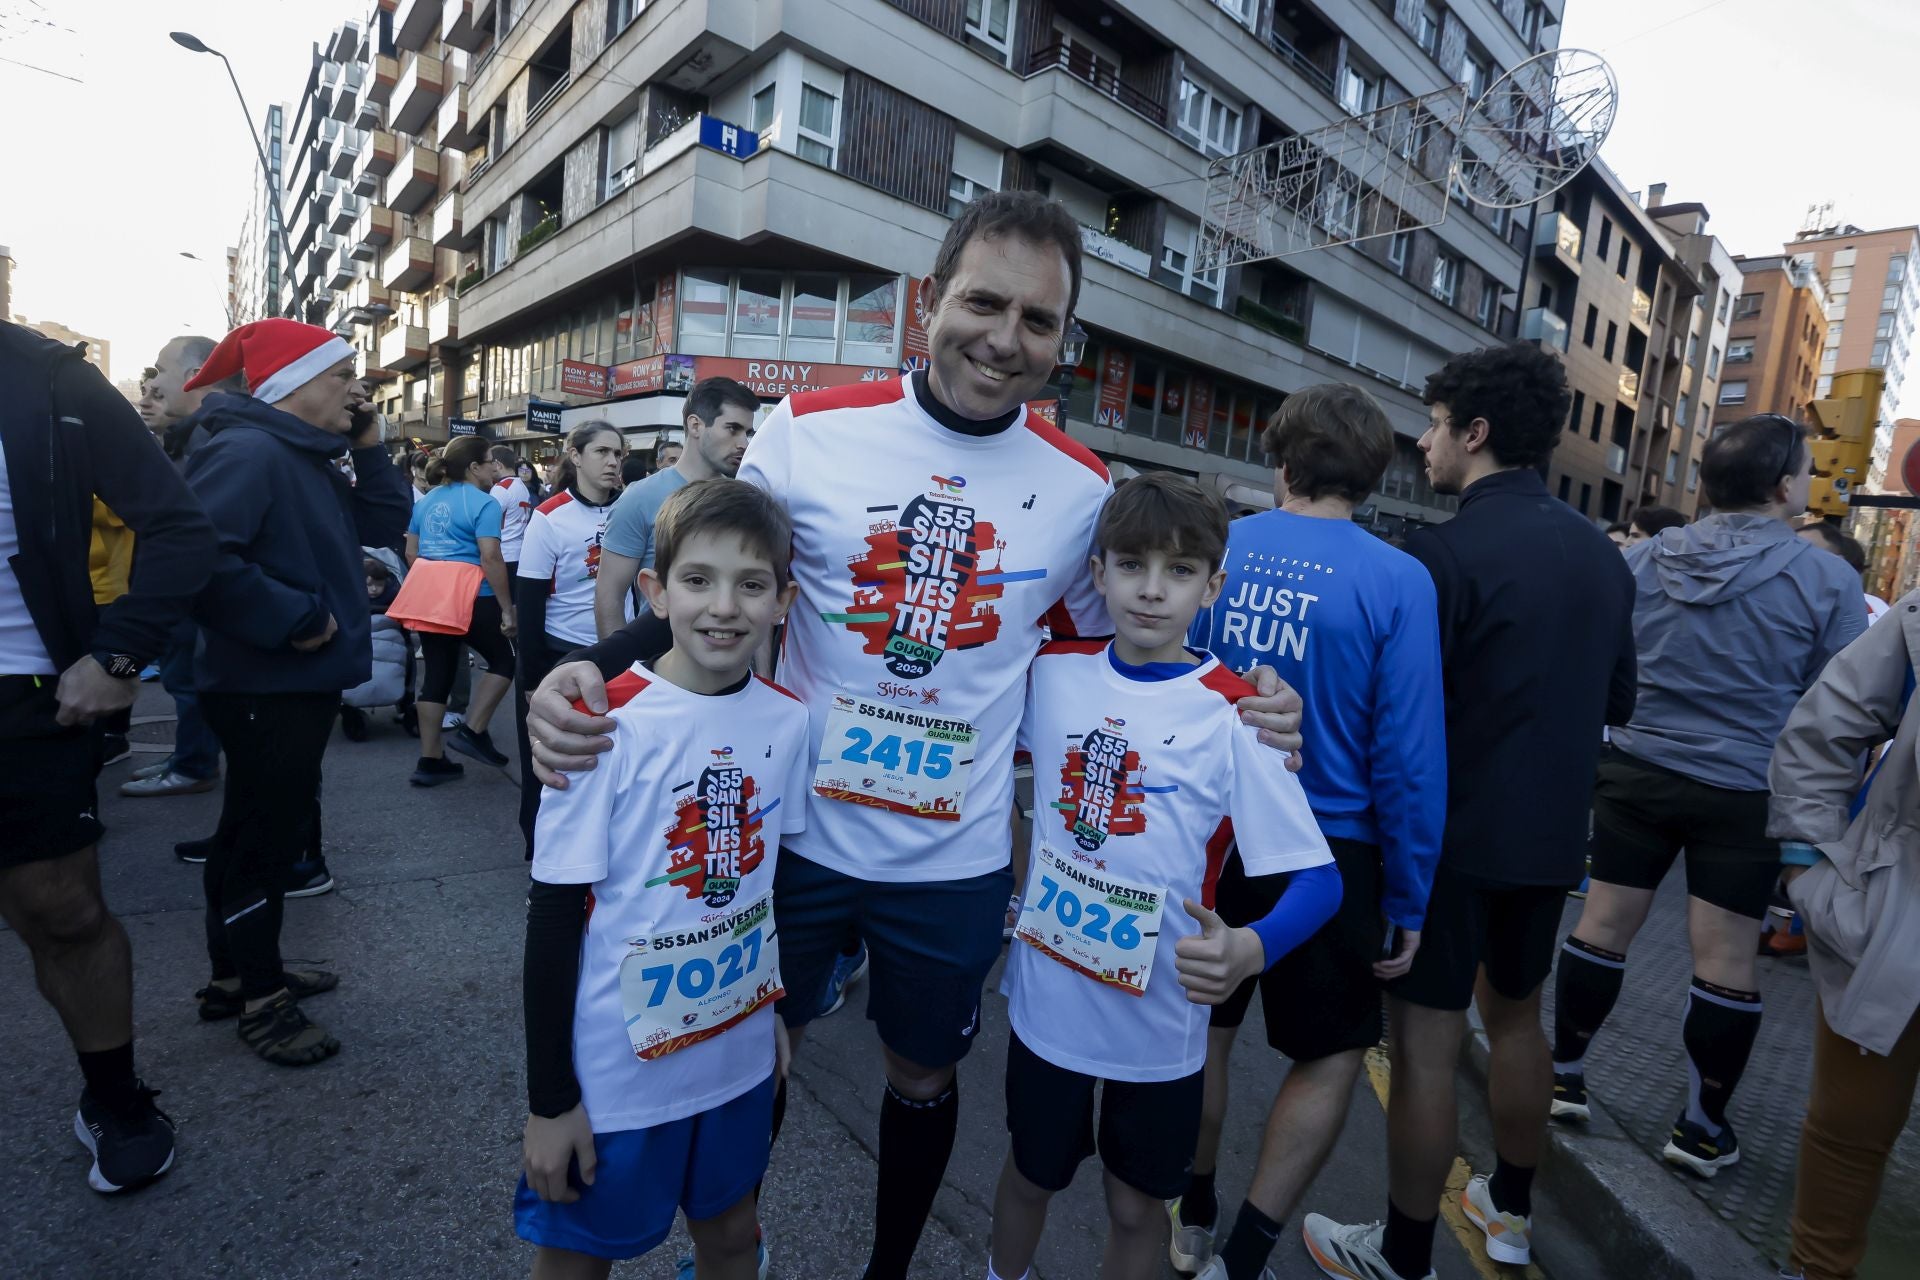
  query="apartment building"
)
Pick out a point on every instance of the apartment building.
point(576, 208)
point(99, 350)
point(1607, 290)
point(1703, 362)
point(1876, 329)
point(1780, 327)
point(6, 282)
point(256, 276)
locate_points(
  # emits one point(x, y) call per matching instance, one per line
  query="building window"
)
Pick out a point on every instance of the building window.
point(976, 171)
point(1176, 258)
point(763, 107)
point(1739, 350)
point(1713, 363)
point(1879, 357)
point(1593, 324)
point(1426, 29)
point(1733, 393)
point(1397, 251)
point(1489, 304)
point(1613, 335)
point(1586, 498)
point(1673, 467)
point(803, 315)
point(1626, 252)
point(990, 22)
point(1693, 474)
point(621, 162)
point(961, 192)
point(1209, 123)
point(1244, 11)
point(1680, 409)
point(1446, 277)
point(1476, 74)
point(1593, 429)
point(1566, 488)
point(1359, 89)
point(619, 14)
point(1693, 347)
point(1897, 267)
point(819, 131)
point(1749, 306)
point(1573, 424)
point(1604, 244)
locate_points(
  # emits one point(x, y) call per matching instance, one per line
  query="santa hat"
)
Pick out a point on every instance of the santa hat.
point(278, 357)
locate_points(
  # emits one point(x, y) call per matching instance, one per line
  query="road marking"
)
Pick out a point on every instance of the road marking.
point(1472, 1240)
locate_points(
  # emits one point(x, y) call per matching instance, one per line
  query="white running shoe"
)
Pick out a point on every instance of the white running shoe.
point(1350, 1252)
point(1217, 1270)
point(451, 720)
point(1190, 1247)
point(1509, 1236)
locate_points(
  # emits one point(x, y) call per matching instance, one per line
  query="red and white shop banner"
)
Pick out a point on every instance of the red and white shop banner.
point(578, 378)
point(1116, 385)
point(1199, 415)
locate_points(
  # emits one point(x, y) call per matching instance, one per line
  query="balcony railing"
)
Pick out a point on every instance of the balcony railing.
point(1309, 70)
point(1111, 249)
point(1630, 385)
point(548, 98)
point(1079, 63)
point(1560, 233)
point(1545, 327)
point(1617, 459)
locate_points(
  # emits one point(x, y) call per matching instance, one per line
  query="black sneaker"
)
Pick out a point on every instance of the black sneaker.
point(1692, 1147)
point(1570, 1097)
point(131, 1145)
point(353, 723)
point(308, 879)
point(431, 773)
point(478, 745)
point(193, 850)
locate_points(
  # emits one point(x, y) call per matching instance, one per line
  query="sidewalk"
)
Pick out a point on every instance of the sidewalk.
point(1637, 1074)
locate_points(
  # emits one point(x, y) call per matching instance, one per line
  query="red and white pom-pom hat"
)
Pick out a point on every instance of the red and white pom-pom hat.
point(278, 357)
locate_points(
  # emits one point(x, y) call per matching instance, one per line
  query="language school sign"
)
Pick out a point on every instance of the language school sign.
point(769, 379)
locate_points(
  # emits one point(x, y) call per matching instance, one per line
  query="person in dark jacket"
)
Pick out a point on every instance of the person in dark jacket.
point(67, 437)
point(285, 628)
point(1536, 644)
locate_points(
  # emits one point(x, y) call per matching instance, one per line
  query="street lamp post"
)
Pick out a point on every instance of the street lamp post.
point(194, 44)
point(1072, 346)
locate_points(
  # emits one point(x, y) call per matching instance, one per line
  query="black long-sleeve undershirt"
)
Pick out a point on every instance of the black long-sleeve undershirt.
point(549, 982)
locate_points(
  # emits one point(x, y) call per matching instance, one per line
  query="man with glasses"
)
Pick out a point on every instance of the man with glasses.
point(1734, 617)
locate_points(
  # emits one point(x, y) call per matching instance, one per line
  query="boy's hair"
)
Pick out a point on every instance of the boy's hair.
point(1518, 388)
point(1655, 520)
point(1618, 527)
point(723, 506)
point(1160, 511)
point(1333, 439)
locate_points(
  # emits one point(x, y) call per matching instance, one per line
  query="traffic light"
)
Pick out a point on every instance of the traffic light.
point(1846, 420)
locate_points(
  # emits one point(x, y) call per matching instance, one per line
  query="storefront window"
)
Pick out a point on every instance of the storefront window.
point(1244, 429)
point(703, 313)
point(812, 326)
point(1219, 434)
point(816, 316)
point(1146, 393)
point(873, 309)
point(1173, 407)
point(756, 314)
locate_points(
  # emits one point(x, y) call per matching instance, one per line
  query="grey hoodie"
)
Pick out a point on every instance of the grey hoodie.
point(1733, 619)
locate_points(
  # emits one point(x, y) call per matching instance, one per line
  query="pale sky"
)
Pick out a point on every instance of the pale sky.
point(1755, 108)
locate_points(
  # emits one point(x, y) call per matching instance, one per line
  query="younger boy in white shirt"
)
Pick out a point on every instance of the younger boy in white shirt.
point(1117, 953)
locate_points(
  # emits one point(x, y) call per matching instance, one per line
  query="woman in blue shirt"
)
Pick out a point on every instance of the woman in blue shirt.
point(455, 525)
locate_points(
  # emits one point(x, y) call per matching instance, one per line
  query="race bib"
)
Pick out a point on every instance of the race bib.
point(680, 988)
point(877, 754)
point(1094, 924)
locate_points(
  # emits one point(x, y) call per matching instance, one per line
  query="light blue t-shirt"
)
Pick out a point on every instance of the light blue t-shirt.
point(451, 520)
point(630, 525)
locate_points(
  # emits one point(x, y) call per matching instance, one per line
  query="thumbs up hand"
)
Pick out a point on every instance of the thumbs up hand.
point(1213, 962)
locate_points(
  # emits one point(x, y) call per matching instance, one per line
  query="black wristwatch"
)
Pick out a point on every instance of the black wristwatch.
point(121, 666)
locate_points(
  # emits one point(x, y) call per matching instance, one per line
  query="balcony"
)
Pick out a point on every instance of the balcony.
point(1556, 237)
point(408, 265)
point(1303, 64)
point(1617, 459)
point(370, 300)
point(1630, 386)
point(1079, 63)
point(346, 156)
point(418, 93)
point(457, 28)
point(1544, 327)
point(549, 97)
point(415, 22)
point(1642, 312)
point(345, 213)
point(453, 129)
point(443, 322)
point(324, 89)
point(448, 228)
point(403, 347)
point(344, 43)
point(346, 99)
point(344, 267)
point(1107, 248)
point(415, 178)
point(386, 72)
point(378, 155)
point(371, 114)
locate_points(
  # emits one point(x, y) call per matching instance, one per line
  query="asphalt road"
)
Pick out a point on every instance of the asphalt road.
point(399, 1156)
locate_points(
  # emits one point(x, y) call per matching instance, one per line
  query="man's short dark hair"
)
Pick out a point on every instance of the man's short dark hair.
point(711, 396)
point(1333, 439)
point(506, 457)
point(1160, 511)
point(723, 506)
point(1652, 521)
point(634, 468)
point(1619, 526)
point(1844, 545)
point(1518, 388)
point(1026, 214)
point(1745, 460)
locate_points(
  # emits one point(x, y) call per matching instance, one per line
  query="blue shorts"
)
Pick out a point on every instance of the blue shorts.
point(929, 946)
point(703, 1164)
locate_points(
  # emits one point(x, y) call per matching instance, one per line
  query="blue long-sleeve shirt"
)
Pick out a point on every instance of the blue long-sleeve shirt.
point(1352, 624)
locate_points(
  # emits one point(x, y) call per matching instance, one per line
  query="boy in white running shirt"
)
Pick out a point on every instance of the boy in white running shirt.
point(652, 962)
point(1117, 952)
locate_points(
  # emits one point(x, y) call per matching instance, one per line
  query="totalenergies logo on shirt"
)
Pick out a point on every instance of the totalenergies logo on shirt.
point(1100, 795)
point(715, 839)
point(928, 582)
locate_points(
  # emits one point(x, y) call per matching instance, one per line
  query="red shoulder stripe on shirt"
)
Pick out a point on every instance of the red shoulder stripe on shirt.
point(1072, 646)
point(1069, 446)
point(1227, 685)
point(621, 690)
point(556, 502)
point(778, 688)
point(855, 395)
point(503, 483)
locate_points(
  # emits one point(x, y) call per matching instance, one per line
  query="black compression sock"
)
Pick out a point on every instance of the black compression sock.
point(1247, 1249)
point(1511, 1188)
point(109, 1073)
point(1199, 1207)
point(1719, 1032)
point(1407, 1243)
point(779, 1116)
point(916, 1141)
point(1584, 993)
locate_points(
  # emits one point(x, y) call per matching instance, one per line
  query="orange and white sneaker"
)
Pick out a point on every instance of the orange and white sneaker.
point(1509, 1236)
